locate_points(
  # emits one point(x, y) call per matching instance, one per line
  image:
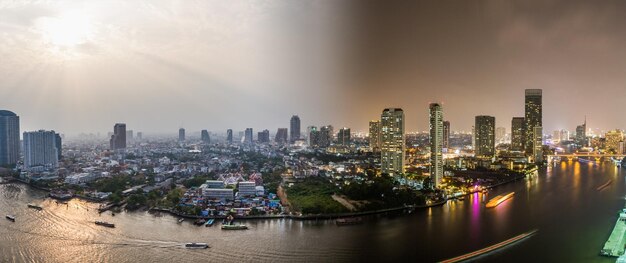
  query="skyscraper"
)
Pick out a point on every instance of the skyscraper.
point(517, 134)
point(118, 139)
point(374, 138)
point(248, 136)
point(40, 149)
point(343, 137)
point(538, 144)
point(295, 128)
point(58, 141)
point(129, 135)
point(139, 136)
point(9, 138)
point(485, 136)
point(314, 136)
point(281, 136)
point(326, 136)
point(392, 141)
point(263, 136)
point(436, 143)
point(229, 136)
point(581, 134)
point(181, 134)
point(500, 134)
point(204, 135)
point(613, 138)
point(446, 135)
point(533, 118)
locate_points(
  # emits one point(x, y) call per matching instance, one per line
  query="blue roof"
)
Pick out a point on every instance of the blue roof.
point(6, 113)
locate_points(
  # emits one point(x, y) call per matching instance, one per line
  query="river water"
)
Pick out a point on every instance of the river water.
point(572, 217)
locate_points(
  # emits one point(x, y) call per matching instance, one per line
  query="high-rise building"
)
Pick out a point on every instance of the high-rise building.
point(139, 136)
point(9, 138)
point(58, 141)
point(374, 138)
point(436, 143)
point(314, 136)
point(281, 136)
point(40, 150)
point(205, 137)
point(181, 134)
point(294, 128)
point(500, 134)
point(392, 141)
point(446, 136)
point(118, 139)
point(485, 136)
point(129, 135)
point(581, 134)
point(248, 136)
point(517, 134)
point(613, 138)
point(538, 144)
point(533, 118)
point(229, 136)
point(263, 136)
point(564, 135)
point(326, 136)
point(343, 137)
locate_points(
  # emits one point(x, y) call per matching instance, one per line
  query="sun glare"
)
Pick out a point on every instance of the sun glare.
point(67, 30)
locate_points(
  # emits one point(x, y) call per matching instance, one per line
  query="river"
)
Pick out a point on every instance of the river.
point(573, 219)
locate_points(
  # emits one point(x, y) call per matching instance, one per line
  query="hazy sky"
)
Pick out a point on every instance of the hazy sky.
point(160, 65)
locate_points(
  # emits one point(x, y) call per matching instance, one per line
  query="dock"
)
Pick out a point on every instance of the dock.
point(614, 246)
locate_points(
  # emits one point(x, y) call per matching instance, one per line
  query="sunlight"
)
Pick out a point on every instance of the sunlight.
point(67, 30)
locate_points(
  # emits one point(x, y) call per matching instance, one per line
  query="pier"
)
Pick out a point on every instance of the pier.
point(614, 246)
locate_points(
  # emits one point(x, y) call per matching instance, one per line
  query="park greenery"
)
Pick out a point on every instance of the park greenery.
point(313, 196)
point(382, 192)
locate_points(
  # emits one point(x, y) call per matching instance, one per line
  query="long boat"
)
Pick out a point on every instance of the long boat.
point(11, 218)
point(490, 248)
point(102, 223)
point(234, 227)
point(209, 222)
point(196, 245)
point(33, 206)
point(498, 199)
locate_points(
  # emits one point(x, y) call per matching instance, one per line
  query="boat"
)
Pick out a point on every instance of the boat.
point(106, 224)
point(605, 185)
point(181, 220)
point(199, 222)
point(498, 199)
point(196, 245)
point(349, 221)
point(234, 227)
point(209, 222)
point(35, 207)
point(11, 218)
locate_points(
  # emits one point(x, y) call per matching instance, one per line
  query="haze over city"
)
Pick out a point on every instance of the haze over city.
point(161, 65)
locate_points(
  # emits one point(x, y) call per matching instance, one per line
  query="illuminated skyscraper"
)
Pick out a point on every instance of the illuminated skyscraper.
point(281, 136)
point(9, 138)
point(538, 144)
point(392, 141)
point(314, 135)
point(118, 139)
point(581, 134)
point(343, 137)
point(485, 136)
point(374, 138)
point(40, 150)
point(229, 136)
point(613, 138)
point(436, 143)
point(326, 136)
point(533, 118)
point(446, 136)
point(295, 128)
point(517, 134)
point(181, 135)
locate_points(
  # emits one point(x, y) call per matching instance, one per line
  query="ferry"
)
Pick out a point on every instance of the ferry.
point(499, 199)
point(102, 223)
point(234, 227)
point(11, 218)
point(209, 222)
point(35, 207)
point(197, 245)
point(349, 221)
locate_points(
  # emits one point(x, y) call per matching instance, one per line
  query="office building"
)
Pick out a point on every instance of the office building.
point(314, 136)
point(343, 137)
point(532, 118)
point(517, 134)
point(129, 135)
point(205, 137)
point(58, 141)
point(118, 139)
point(281, 136)
point(294, 131)
point(246, 189)
point(436, 143)
point(374, 135)
point(9, 138)
point(485, 127)
point(181, 135)
point(564, 135)
point(326, 136)
point(229, 136)
point(446, 136)
point(581, 134)
point(263, 136)
point(139, 136)
point(392, 141)
point(248, 136)
point(612, 140)
point(538, 144)
point(40, 150)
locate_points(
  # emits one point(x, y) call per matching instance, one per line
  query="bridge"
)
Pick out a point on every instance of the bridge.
point(591, 156)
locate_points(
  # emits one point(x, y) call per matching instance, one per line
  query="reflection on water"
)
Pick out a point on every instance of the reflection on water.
point(562, 202)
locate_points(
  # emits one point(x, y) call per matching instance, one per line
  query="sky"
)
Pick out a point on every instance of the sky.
point(81, 66)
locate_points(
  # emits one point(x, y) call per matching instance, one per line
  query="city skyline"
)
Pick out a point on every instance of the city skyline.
point(89, 77)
